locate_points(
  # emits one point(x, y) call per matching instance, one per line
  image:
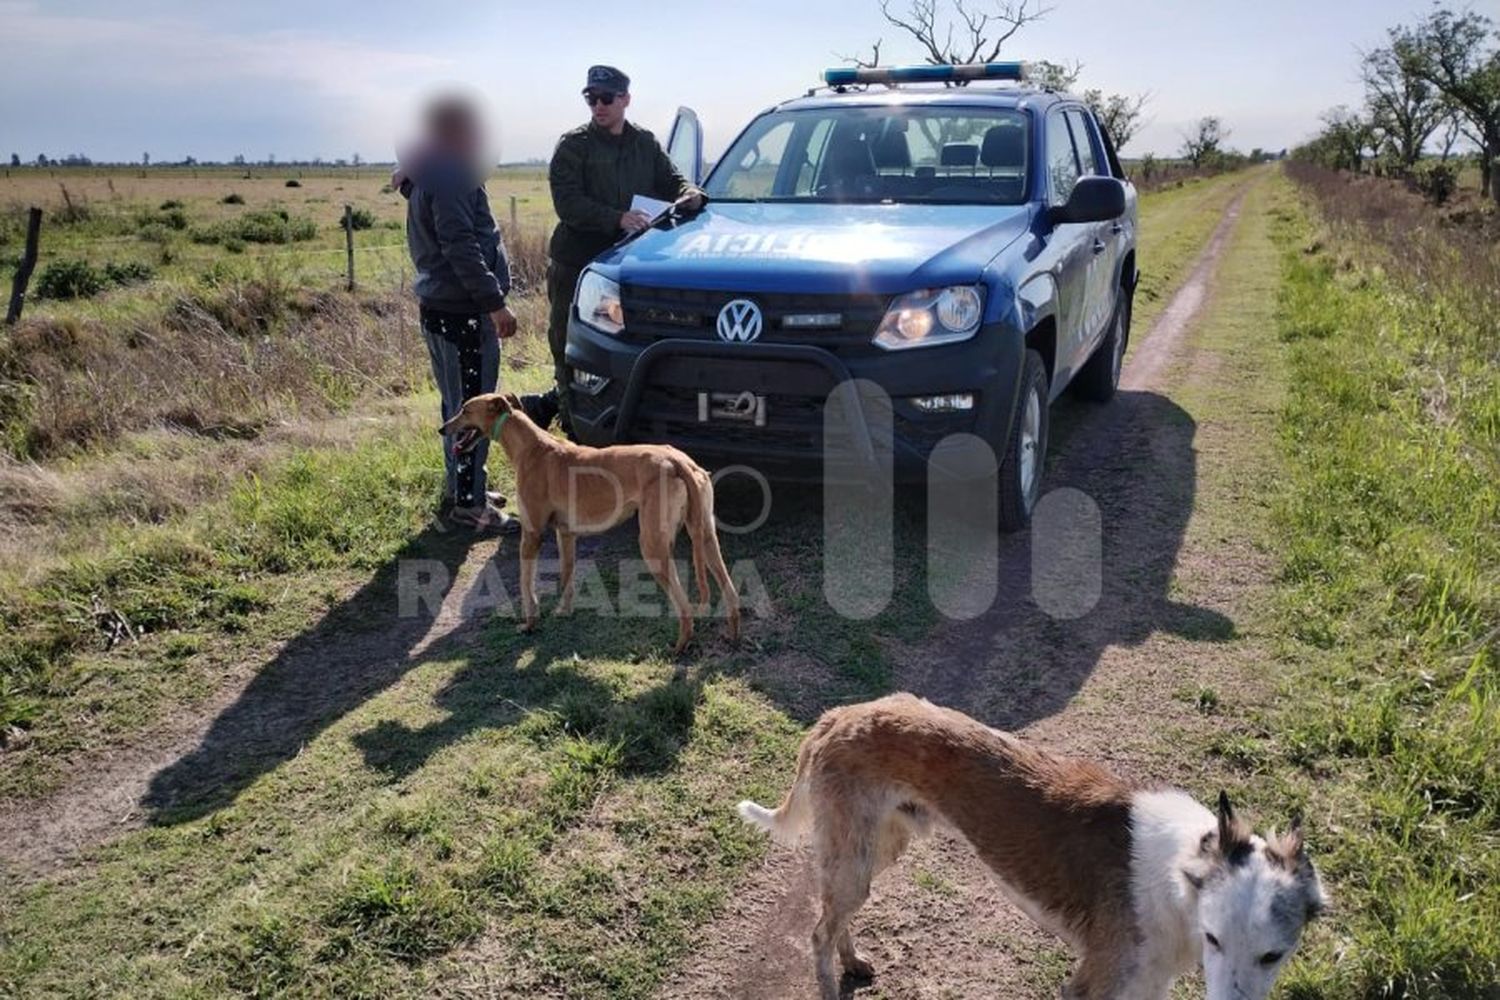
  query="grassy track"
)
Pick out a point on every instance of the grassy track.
point(1175, 223)
point(553, 807)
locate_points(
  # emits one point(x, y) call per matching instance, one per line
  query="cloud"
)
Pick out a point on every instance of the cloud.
point(193, 65)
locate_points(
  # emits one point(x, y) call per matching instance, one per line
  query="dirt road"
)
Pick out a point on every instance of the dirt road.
point(1107, 684)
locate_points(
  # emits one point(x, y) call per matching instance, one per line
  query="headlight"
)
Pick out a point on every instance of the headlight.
point(931, 316)
point(598, 302)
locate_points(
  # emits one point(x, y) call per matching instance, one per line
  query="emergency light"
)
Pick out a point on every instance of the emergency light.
point(847, 75)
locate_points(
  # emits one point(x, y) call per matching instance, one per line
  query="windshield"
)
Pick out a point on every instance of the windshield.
point(879, 154)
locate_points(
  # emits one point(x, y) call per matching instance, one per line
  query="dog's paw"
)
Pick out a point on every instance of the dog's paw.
point(859, 967)
point(526, 627)
point(562, 611)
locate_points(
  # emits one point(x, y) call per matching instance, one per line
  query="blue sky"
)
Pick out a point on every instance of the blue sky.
point(212, 79)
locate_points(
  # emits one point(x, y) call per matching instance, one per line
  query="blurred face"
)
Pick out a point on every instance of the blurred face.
point(454, 126)
point(607, 110)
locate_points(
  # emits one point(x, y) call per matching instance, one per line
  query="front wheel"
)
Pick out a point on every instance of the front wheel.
point(1026, 449)
point(1100, 376)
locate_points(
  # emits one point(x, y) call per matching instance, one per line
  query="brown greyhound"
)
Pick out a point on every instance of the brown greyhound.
point(584, 491)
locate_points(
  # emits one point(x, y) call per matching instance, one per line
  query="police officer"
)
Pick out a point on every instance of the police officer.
point(596, 170)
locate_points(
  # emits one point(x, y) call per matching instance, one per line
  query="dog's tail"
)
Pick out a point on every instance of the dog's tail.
point(699, 521)
point(787, 822)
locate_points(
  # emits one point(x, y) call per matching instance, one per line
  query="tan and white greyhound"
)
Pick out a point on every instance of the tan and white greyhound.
point(1144, 883)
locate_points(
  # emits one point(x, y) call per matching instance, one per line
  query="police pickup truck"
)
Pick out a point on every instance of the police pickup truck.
point(961, 250)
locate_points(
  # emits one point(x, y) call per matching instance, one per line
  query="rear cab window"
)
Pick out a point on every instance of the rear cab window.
point(1083, 141)
point(1063, 168)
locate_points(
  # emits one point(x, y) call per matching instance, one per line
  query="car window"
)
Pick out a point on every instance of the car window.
point(817, 145)
point(758, 164)
point(879, 154)
point(1083, 143)
point(1062, 162)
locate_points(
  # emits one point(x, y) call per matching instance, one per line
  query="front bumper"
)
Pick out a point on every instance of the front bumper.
point(653, 396)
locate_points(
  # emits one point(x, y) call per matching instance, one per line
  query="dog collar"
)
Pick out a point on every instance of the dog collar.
point(495, 428)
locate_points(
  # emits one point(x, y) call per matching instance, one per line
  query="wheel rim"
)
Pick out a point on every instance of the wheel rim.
point(1031, 442)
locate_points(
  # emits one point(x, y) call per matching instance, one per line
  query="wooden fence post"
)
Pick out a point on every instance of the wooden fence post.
point(513, 229)
point(349, 242)
point(28, 264)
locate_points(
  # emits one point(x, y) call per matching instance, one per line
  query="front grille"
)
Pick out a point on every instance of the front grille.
point(653, 314)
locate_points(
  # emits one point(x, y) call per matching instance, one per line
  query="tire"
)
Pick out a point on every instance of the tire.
point(1026, 449)
point(1100, 375)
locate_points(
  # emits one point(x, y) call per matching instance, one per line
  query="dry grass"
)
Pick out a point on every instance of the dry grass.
point(226, 341)
point(220, 361)
point(1454, 249)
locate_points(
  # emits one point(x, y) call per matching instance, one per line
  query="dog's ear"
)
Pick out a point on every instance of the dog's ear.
point(1289, 850)
point(511, 402)
point(1201, 868)
point(1234, 833)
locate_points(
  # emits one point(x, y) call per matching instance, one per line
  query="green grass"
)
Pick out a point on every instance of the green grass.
point(1389, 601)
point(120, 630)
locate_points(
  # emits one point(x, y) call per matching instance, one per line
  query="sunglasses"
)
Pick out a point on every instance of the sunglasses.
point(604, 99)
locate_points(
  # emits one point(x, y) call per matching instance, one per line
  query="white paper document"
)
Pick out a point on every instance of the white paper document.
point(649, 207)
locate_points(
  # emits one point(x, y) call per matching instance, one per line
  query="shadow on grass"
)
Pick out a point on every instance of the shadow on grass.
point(359, 648)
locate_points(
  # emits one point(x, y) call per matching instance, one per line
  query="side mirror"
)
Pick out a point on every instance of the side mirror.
point(1094, 199)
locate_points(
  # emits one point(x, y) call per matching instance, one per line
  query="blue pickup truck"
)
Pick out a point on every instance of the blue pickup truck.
point(966, 246)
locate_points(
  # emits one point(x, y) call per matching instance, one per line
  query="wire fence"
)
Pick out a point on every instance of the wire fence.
point(380, 260)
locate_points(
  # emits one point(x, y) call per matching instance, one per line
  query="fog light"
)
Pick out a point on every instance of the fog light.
point(951, 403)
point(588, 381)
point(812, 321)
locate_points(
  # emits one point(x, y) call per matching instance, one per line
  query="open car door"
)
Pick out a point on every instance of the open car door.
point(685, 145)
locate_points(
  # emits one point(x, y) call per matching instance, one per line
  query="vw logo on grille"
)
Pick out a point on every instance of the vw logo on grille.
point(741, 321)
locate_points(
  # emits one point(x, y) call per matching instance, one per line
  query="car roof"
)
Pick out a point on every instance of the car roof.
point(1018, 98)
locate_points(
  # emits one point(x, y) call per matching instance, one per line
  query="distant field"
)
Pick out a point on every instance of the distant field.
point(151, 216)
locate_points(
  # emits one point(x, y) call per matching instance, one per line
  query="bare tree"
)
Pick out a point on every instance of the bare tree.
point(1118, 115)
point(1204, 143)
point(958, 31)
point(1451, 51)
point(1404, 107)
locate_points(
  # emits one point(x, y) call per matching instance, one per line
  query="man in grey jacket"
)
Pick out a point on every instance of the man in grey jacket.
point(462, 282)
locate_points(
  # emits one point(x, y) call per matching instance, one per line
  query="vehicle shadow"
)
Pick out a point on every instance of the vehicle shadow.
point(1095, 570)
point(1013, 663)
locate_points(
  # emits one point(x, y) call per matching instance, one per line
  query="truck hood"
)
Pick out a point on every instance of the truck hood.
point(820, 248)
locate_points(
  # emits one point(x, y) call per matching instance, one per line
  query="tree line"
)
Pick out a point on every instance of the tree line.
point(1433, 84)
point(80, 160)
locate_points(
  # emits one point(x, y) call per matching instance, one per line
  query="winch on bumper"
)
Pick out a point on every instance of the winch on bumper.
point(763, 404)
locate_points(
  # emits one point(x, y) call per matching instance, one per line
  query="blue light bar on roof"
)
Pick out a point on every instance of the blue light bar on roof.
point(847, 75)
